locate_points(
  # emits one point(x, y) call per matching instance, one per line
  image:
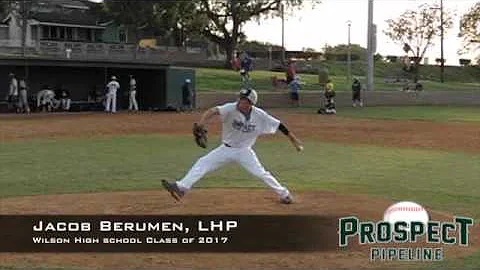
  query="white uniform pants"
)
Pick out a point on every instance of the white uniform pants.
point(133, 105)
point(111, 104)
point(23, 101)
point(222, 155)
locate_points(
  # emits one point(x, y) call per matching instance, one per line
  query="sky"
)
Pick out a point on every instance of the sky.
point(326, 23)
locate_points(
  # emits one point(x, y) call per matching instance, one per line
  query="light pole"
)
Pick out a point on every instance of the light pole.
point(442, 60)
point(283, 33)
point(370, 49)
point(442, 64)
point(349, 55)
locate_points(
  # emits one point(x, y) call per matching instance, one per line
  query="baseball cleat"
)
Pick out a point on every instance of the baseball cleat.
point(176, 193)
point(287, 200)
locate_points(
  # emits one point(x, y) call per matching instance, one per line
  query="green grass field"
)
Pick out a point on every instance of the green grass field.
point(446, 181)
point(229, 80)
point(423, 113)
point(439, 180)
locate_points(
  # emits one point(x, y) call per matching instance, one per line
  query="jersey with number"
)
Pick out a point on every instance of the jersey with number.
point(239, 130)
point(113, 86)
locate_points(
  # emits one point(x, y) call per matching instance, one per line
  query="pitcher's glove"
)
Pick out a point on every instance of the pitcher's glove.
point(200, 135)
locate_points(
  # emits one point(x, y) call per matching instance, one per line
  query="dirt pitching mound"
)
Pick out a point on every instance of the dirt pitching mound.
point(202, 202)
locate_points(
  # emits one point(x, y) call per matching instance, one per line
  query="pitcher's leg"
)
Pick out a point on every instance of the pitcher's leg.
point(210, 162)
point(248, 159)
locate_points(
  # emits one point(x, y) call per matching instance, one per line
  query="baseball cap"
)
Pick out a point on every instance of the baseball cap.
point(114, 78)
point(187, 80)
point(249, 94)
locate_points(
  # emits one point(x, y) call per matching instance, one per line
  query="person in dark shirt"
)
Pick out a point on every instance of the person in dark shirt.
point(187, 96)
point(356, 93)
point(246, 63)
point(65, 100)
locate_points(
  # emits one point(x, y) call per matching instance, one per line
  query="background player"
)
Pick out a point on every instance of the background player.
point(46, 99)
point(356, 92)
point(111, 96)
point(132, 96)
point(242, 123)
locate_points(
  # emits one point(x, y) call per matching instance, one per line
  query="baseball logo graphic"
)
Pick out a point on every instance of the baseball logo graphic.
point(407, 212)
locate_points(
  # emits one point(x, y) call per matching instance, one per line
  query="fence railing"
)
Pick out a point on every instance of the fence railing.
point(103, 51)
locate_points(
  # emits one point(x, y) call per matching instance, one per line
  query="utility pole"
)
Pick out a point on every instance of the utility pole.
point(370, 49)
point(283, 33)
point(442, 64)
point(25, 13)
point(349, 56)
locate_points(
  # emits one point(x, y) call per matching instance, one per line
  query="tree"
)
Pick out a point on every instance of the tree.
point(223, 20)
point(340, 52)
point(177, 21)
point(464, 62)
point(135, 15)
point(470, 28)
point(415, 30)
point(391, 58)
point(258, 46)
point(378, 57)
point(308, 50)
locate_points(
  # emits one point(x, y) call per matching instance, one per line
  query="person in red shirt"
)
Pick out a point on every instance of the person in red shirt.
point(236, 62)
point(291, 71)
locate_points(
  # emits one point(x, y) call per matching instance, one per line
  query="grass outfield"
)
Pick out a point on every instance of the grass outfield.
point(425, 113)
point(229, 80)
point(444, 181)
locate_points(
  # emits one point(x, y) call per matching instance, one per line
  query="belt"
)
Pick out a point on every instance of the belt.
point(227, 145)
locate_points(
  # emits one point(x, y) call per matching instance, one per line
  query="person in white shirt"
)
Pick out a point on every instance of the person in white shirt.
point(112, 88)
point(23, 98)
point(132, 100)
point(242, 123)
point(46, 100)
point(13, 92)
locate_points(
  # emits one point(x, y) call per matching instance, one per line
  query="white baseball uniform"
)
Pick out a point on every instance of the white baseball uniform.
point(13, 88)
point(46, 97)
point(111, 105)
point(133, 105)
point(239, 133)
point(23, 100)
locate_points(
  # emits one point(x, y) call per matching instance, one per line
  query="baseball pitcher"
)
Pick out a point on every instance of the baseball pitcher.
point(242, 123)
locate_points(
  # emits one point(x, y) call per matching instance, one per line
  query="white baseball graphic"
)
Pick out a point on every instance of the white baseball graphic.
point(407, 212)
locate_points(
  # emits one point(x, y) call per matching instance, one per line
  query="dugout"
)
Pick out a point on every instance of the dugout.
point(159, 87)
